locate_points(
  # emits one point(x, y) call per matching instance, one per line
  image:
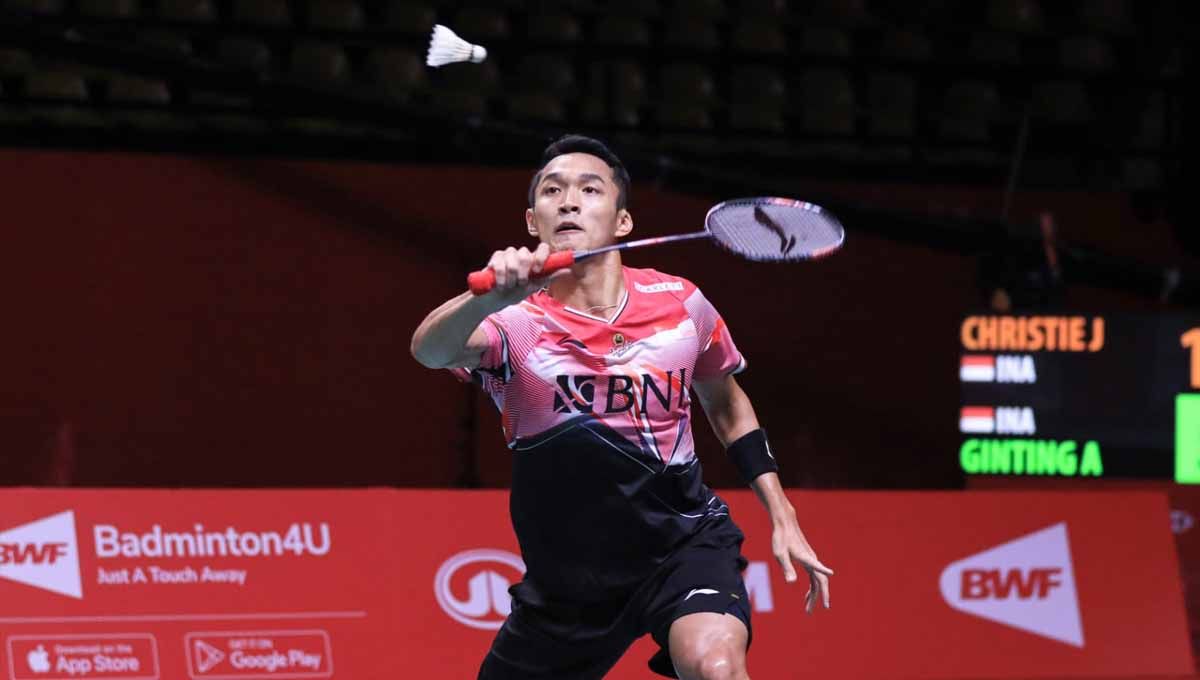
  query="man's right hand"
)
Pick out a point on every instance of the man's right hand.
point(516, 271)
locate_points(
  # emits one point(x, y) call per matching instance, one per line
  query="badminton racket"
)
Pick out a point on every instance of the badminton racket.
point(764, 229)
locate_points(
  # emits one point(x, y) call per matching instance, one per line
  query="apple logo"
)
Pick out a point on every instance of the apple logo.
point(38, 660)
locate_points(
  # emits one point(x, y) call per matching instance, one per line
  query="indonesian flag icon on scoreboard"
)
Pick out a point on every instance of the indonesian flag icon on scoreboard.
point(977, 368)
point(977, 419)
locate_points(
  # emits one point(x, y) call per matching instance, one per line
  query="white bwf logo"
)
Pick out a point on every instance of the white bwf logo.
point(1027, 583)
point(43, 554)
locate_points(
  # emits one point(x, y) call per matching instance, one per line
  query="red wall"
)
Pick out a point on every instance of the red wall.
point(208, 321)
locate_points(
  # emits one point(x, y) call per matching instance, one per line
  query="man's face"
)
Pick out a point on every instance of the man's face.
point(575, 204)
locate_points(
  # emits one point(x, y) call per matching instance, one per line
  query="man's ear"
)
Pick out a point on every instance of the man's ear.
point(529, 225)
point(624, 223)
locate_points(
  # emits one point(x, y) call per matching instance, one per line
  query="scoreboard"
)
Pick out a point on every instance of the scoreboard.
point(1112, 395)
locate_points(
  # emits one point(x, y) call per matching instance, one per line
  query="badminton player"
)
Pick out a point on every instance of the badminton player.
point(592, 370)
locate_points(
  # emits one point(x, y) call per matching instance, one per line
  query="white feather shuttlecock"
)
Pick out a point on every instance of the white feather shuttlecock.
point(445, 47)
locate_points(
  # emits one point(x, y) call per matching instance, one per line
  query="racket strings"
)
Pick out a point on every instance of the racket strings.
point(762, 230)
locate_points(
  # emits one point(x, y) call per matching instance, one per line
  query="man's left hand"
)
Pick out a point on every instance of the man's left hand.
point(788, 543)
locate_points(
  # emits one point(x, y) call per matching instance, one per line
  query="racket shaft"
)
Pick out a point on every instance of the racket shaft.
point(653, 241)
point(484, 280)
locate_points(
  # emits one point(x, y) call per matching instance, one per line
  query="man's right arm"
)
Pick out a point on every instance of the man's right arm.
point(450, 336)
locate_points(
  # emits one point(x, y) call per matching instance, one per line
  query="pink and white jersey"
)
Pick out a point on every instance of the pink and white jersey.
point(598, 415)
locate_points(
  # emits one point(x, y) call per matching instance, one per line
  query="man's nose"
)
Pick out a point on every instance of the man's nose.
point(569, 204)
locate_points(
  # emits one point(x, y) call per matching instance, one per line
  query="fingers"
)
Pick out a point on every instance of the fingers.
point(539, 257)
point(818, 577)
point(823, 582)
point(521, 261)
point(496, 264)
point(816, 565)
point(789, 546)
point(818, 591)
point(805, 555)
point(513, 267)
point(785, 561)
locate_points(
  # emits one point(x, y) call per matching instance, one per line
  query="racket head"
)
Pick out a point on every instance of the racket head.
point(774, 229)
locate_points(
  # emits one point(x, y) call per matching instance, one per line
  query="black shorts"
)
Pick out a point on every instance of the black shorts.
point(569, 642)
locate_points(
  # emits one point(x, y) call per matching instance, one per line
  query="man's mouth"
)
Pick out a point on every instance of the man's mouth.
point(567, 227)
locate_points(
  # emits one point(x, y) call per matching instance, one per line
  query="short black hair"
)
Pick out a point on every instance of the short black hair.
point(581, 144)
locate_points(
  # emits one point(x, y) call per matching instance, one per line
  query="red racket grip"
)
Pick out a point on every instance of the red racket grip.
point(484, 280)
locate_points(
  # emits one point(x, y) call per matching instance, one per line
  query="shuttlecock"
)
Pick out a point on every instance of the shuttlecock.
point(445, 47)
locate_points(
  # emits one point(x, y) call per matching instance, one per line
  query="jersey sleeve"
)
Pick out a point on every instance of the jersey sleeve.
point(511, 334)
point(496, 359)
point(719, 356)
point(494, 367)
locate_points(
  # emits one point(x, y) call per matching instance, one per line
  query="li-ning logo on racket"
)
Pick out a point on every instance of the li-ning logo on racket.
point(786, 243)
point(485, 575)
point(578, 393)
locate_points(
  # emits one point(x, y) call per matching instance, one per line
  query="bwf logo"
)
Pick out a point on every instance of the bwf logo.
point(983, 584)
point(43, 554)
point(1027, 583)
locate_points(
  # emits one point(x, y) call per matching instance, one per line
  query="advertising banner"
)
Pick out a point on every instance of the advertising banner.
point(199, 584)
point(386, 583)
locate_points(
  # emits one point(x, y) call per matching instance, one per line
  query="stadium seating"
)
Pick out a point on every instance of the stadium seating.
point(805, 75)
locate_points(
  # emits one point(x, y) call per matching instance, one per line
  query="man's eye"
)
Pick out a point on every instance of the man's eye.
point(593, 190)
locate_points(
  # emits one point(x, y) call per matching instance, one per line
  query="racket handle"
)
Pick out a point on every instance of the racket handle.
point(484, 280)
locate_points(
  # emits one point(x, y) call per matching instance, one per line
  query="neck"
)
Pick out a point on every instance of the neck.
point(596, 284)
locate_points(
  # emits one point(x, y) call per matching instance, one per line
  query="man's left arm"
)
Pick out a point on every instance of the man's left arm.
point(733, 420)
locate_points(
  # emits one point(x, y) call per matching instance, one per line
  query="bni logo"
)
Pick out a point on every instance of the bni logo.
point(1027, 583)
point(487, 575)
point(43, 554)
